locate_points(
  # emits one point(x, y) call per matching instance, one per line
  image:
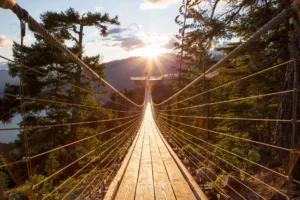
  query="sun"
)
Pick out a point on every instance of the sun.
point(151, 52)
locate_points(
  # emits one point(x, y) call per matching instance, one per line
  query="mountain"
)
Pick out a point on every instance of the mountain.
point(118, 72)
point(6, 78)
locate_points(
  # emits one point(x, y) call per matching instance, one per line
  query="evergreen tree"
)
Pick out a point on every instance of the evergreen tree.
point(51, 76)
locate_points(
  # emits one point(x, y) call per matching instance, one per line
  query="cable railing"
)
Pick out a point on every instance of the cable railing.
point(185, 129)
point(179, 143)
point(231, 129)
point(104, 134)
point(75, 139)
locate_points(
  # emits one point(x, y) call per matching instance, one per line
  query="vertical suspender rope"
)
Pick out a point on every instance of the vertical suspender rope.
point(22, 93)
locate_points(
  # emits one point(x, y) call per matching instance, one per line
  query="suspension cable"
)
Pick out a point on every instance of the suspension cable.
point(72, 143)
point(271, 187)
point(93, 160)
point(238, 50)
point(67, 124)
point(174, 135)
point(132, 128)
point(234, 154)
point(61, 102)
point(232, 82)
point(232, 100)
point(232, 136)
point(105, 167)
point(20, 12)
point(65, 82)
point(180, 148)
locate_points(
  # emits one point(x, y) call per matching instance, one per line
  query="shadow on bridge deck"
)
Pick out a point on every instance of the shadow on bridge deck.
point(151, 170)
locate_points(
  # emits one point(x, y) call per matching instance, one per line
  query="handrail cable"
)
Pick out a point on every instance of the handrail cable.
point(234, 154)
point(236, 167)
point(232, 100)
point(105, 167)
point(232, 82)
point(97, 166)
point(220, 190)
point(92, 151)
point(228, 118)
point(232, 136)
point(174, 135)
point(61, 102)
point(81, 140)
point(182, 151)
point(93, 160)
point(238, 50)
point(23, 14)
point(66, 124)
point(61, 147)
point(103, 176)
point(65, 82)
point(64, 182)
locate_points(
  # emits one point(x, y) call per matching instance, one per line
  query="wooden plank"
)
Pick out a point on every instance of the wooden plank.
point(162, 187)
point(114, 186)
point(154, 171)
point(145, 188)
point(180, 188)
point(128, 184)
point(189, 179)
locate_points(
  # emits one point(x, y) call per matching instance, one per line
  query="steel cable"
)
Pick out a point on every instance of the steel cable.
point(232, 136)
point(64, 146)
point(65, 82)
point(238, 50)
point(230, 83)
point(93, 160)
point(271, 187)
point(219, 169)
point(132, 128)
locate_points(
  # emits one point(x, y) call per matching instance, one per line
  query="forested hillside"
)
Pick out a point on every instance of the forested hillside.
point(225, 120)
point(64, 110)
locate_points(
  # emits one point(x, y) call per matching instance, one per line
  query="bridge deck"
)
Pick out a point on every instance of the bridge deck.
point(151, 171)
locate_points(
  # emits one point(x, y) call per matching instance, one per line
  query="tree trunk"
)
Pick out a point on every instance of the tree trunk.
point(288, 105)
point(76, 111)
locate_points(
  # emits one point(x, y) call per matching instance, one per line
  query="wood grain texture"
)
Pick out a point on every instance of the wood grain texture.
point(152, 172)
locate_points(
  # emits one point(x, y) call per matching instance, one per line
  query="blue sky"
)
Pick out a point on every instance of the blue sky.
point(147, 26)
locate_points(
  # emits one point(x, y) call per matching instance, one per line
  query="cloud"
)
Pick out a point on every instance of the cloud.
point(170, 43)
point(131, 43)
point(116, 30)
point(98, 8)
point(157, 4)
point(126, 43)
point(5, 42)
point(3, 65)
point(222, 44)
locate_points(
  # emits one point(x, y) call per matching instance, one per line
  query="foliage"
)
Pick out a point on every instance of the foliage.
point(50, 75)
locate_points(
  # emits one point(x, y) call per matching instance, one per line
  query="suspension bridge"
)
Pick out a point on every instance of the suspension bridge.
point(149, 153)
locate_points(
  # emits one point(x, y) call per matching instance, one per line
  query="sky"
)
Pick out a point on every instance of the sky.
point(147, 26)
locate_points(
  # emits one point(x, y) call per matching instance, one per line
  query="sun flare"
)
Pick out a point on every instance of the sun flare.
point(151, 52)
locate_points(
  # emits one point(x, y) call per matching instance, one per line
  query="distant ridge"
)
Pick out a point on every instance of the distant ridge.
point(118, 72)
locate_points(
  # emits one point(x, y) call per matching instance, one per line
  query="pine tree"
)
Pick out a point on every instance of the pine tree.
point(46, 76)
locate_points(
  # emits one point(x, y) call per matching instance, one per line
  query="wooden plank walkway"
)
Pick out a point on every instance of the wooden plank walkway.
point(150, 170)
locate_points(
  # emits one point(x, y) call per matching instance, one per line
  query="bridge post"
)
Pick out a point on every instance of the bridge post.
point(1, 190)
point(206, 88)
